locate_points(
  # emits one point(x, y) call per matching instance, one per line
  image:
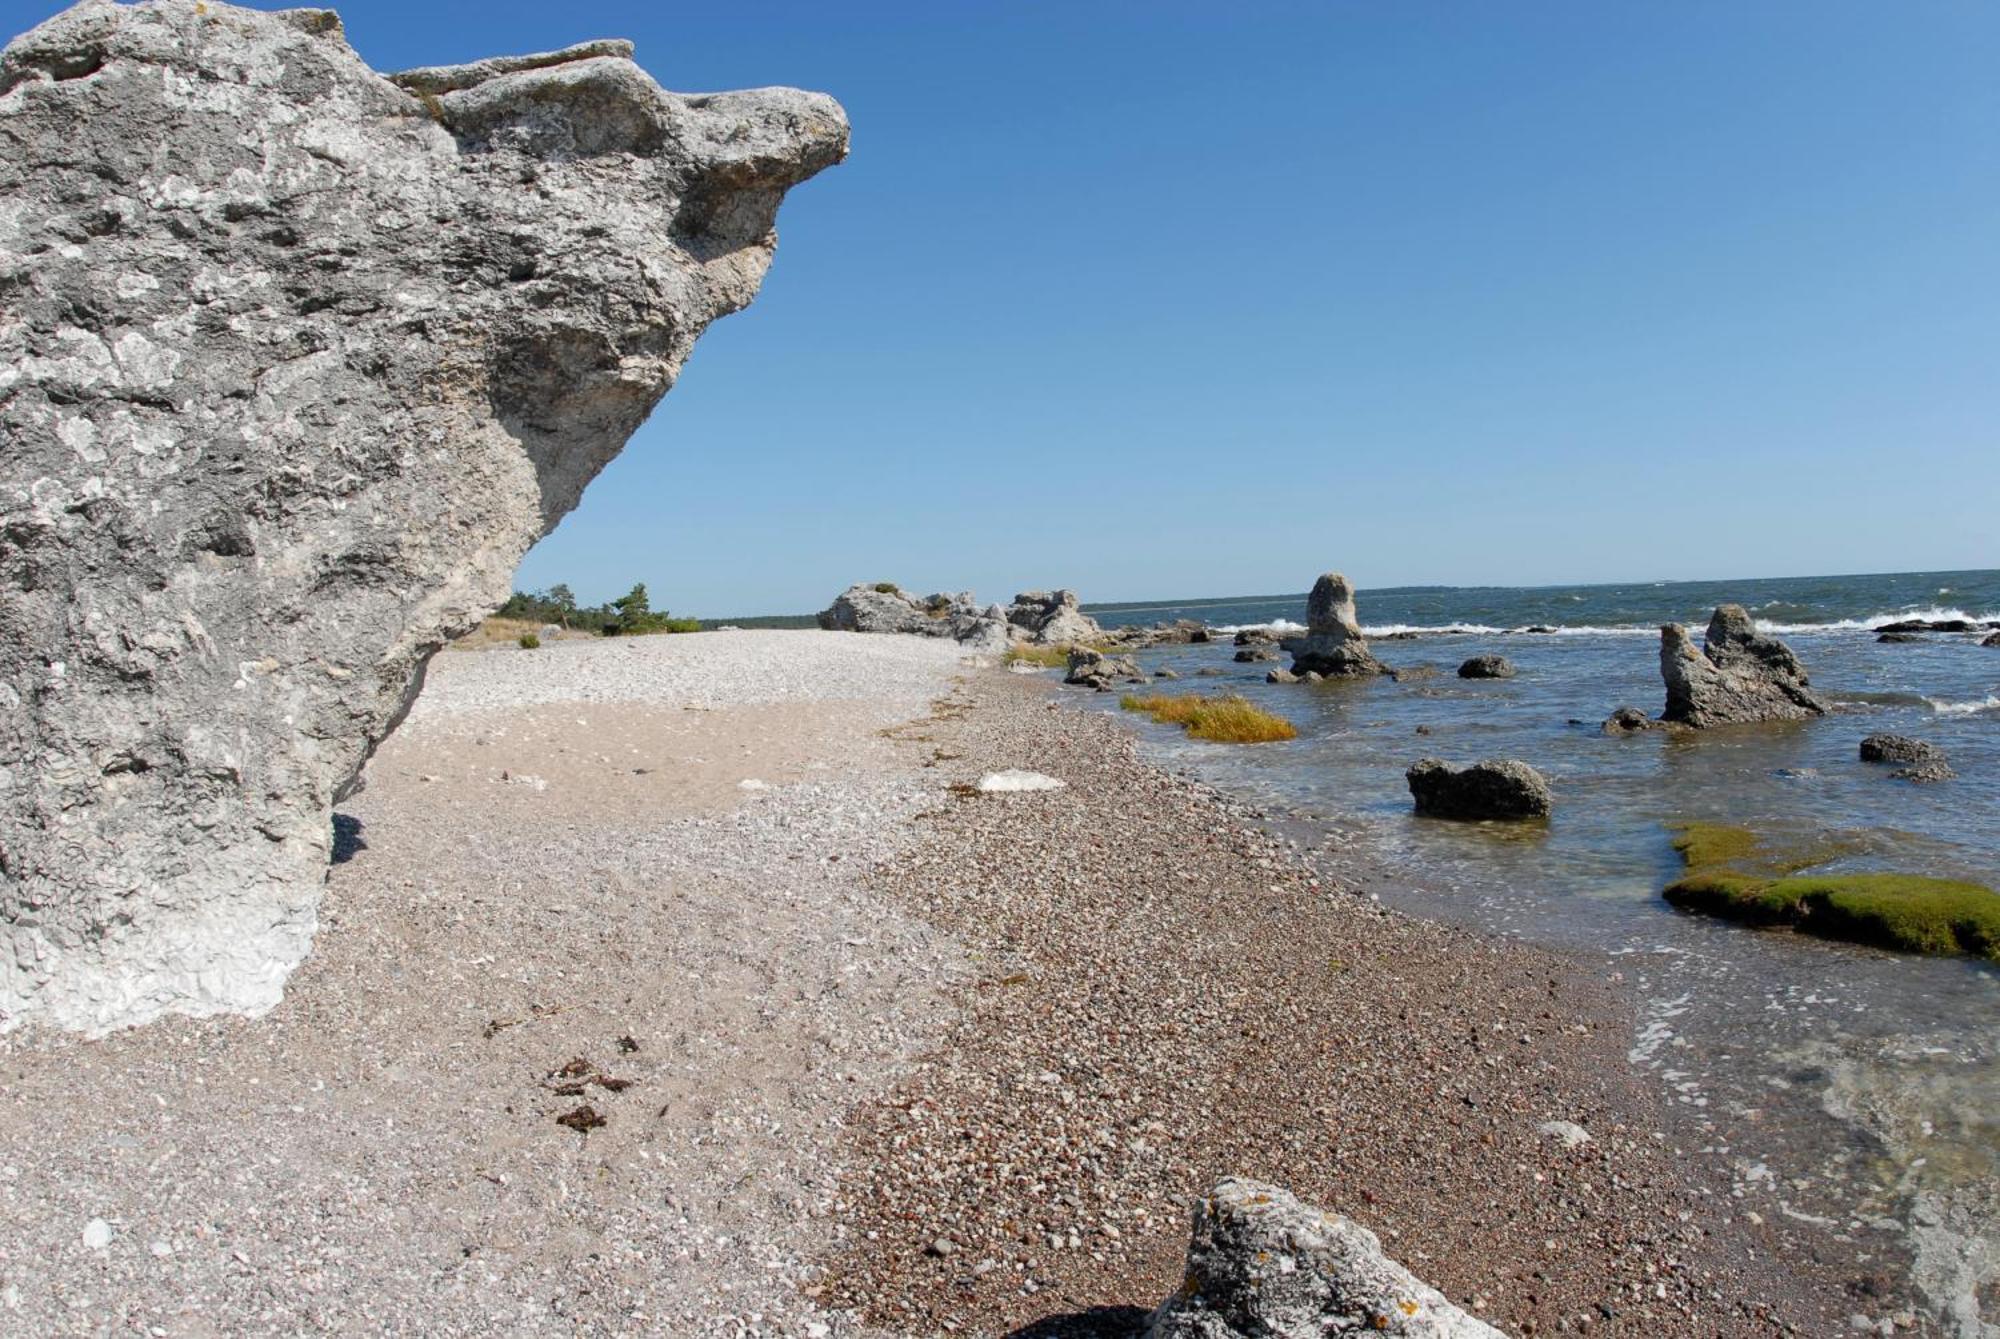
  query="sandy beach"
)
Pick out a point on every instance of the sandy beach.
point(681, 985)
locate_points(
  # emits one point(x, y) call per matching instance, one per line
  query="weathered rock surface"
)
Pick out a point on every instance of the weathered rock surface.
point(1991, 639)
point(1487, 667)
point(1413, 673)
point(1094, 669)
point(1333, 644)
point(1923, 761)
point(1251, 655)
point(1281, 676)
point(1738, 675)
point(295, 363)
point(888, 608)
point(1492, 789)
point(1051, 618)
point(1262, 1265)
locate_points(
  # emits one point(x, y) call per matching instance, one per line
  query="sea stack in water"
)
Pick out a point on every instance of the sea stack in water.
point(1333, 644)
point(296, 362)
point(1262, 1265)
point(1738, 676)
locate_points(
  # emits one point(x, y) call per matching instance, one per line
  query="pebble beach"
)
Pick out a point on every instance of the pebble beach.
point(690, 985)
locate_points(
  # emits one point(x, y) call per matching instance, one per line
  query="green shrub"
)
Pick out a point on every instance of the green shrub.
point(530, 642)
point(887, 588)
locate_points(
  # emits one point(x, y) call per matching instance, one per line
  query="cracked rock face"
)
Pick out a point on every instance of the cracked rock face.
point(296, 361)
point(1262, 1265)
point(1737, 676)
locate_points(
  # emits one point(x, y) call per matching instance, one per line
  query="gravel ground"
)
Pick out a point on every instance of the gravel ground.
point(1166, 994)
point(524, 888)
point(872, 1052)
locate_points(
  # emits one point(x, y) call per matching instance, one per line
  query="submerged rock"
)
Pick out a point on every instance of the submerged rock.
point(1487, 667)
point(1629, 721)
point(1333, 644)
point(1991, 639)
point(1251, 655)
point(1738, 676)
point(1413, 673)
point(300, 360)
point(1493, 789)
point(1894, 637)
point(1281, 676)
point(1262, 1265)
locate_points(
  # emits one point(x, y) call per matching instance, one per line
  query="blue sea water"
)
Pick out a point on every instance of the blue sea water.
point(1839, 1085)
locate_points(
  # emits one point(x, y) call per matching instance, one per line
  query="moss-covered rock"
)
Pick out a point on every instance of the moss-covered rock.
point(1735, 874)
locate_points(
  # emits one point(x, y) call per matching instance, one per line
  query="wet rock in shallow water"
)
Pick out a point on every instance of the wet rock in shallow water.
point(1255, 637)
point(1487, 667)
point(1094, 669)
point(1629, 721)
point(1211, 672)
point(1280, 676)
point(1250, 655)
point(1924, 762)
point(1992, 639)
point(300, 363)
point(1413, 673)
point(1738, 675)
point(1899, 637)
point(1262, 1265)
point(1495, 789)
point(1333, 644)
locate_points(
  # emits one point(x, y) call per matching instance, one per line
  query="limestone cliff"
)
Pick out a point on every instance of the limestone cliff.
point(296, 361)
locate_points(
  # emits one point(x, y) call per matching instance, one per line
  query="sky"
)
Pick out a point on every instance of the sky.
point(1172, 300)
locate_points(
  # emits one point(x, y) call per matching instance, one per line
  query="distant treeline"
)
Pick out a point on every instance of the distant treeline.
point(630, 615)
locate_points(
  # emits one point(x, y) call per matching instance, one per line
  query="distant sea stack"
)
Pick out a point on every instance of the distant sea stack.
point(302, 359)
point(1737, 676)
point(1333, 645)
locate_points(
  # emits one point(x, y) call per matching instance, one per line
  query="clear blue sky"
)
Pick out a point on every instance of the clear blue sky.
point(1158, 300)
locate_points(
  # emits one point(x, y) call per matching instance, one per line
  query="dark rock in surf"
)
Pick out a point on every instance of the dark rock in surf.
point(1255, 637)
point(1251, 654)
point(1630, 721)
point(1094, 669)
point(1739, 675)
point(1899, 637)
point(1992, 640)
point(1487, 667)
point(1897, 748)
point(1413, 673)
point(1495, 789)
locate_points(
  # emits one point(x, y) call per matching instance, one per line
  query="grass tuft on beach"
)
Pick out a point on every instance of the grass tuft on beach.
point(1224, 720)
point(1732, 873)
point(1048, 657)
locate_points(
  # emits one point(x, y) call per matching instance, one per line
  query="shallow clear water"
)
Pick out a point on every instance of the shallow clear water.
point(1841, 1084)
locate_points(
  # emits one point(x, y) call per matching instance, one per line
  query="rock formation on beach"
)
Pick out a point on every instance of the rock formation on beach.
point(1040, 617)
point(1051, 618)
point(1738, 675)
point(1262, 1265)
point(1093, 669)
point(1485, 790)
point(1333, 644)
point(296, 361)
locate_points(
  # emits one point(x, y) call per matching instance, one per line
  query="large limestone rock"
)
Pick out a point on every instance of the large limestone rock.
point(296, 361)
point(1052, 618)
point(886, 607)
point(1333, 644)
point(1739, 675)
point(1261, 1265)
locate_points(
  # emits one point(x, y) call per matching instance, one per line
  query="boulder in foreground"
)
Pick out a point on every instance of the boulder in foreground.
point(1737, 676)
point(1262, 1265)
point(298, 361)
point(1333, 644)
point(1496, 789)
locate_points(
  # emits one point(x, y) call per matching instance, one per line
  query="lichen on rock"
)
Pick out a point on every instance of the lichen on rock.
point(296, 362)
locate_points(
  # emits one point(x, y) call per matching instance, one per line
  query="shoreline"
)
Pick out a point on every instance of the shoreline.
point(1159, 1012)
point(853, 996)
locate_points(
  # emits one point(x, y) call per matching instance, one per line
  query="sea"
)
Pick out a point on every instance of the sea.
point(1842, 1090)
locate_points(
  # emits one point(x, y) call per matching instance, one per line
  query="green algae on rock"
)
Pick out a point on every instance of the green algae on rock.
point(1733, 873)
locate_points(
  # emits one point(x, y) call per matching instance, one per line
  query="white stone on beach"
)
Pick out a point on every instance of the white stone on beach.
point(1571, 1134)
point(96, 1234)
point(1016, 779)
